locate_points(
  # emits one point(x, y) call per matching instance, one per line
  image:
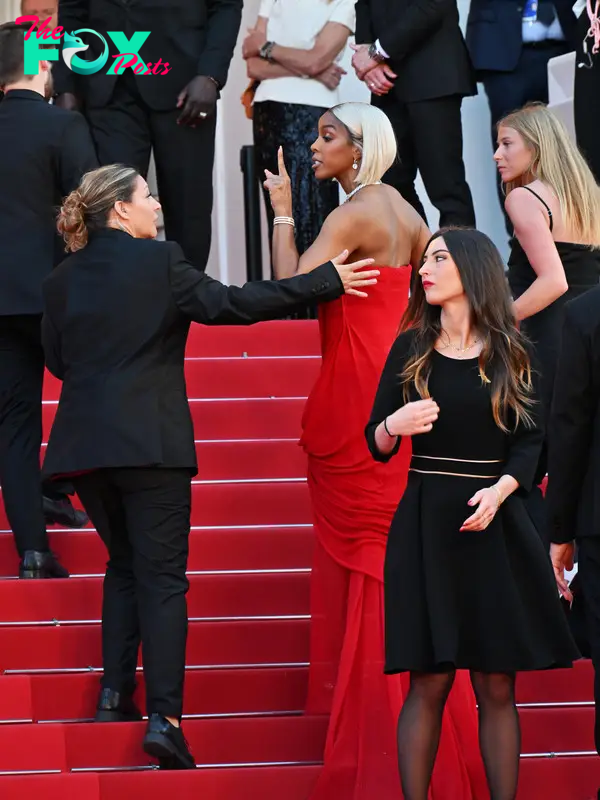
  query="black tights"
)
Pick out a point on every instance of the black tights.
point(420, 725)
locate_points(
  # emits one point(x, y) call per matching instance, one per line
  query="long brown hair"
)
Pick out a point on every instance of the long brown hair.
point(504, 363)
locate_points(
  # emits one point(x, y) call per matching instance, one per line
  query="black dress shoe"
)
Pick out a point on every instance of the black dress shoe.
point(63, 512)
point(167, 743)
point(116, 707)
point(41, 564)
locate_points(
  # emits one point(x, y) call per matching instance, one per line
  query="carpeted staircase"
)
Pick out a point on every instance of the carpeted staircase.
point(247, 656)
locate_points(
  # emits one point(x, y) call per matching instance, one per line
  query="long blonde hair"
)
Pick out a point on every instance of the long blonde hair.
point(557, 162)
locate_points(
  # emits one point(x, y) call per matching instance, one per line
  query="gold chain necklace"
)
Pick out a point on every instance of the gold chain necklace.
point(460, 350)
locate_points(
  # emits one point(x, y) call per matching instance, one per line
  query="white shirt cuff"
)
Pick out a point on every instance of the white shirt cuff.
point(380, 49)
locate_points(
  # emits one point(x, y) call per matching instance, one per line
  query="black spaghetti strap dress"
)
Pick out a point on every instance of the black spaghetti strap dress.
point(582, 269)
point(485, 601)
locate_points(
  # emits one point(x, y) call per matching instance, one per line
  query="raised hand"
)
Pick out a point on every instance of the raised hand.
point(413, 418)
point(352, 279)
point(280, 188)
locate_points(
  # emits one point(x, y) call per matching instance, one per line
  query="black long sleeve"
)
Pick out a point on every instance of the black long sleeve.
point(364, 27)
point(52, 349)
point(224, 20)
point(389, 397)
point(411, 27)
point(570, 433)
point(210, 302)
point(526, 442)
point(77, 153)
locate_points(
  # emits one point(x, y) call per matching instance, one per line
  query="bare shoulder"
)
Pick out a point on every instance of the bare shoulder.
point(344, 217)
point(522, 204)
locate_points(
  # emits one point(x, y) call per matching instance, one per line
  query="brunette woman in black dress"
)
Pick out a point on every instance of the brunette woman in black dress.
point(468, 584)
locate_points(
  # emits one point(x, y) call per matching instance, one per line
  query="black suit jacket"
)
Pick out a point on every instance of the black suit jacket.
point(573, 494)
point(44, 151)
point(494, 34)
point(114, 330)
point(425, 44)
point(196, 37)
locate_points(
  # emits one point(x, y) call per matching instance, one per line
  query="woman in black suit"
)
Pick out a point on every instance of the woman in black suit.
point(117, 316)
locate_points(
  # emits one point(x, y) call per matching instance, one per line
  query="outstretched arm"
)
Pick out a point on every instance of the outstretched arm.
point(203, 299)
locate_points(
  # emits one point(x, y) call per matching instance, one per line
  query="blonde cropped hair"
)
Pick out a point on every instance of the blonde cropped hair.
point(371, 131)
point(87, 208)
point(557, 162)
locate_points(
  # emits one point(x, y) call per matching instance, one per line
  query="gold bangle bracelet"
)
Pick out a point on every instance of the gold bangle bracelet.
point(498, 495)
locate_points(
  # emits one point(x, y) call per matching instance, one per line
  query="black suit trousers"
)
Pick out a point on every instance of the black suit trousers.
point(126, 130)
point(429, 135)
point(21, 381)
point(143, 518)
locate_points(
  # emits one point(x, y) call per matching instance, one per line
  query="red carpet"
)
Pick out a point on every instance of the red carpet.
point(250, 555)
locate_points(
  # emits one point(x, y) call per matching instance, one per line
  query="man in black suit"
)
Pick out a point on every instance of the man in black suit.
point(510, 47)
point(573, 493)
point(173, 112)
point(414, 60)
point(124, 428)
point(43, 153)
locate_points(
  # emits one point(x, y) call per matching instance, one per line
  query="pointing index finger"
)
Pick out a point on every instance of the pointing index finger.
point(281, 163)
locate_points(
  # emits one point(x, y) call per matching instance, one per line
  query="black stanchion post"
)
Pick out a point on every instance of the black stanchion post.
point(251, 214)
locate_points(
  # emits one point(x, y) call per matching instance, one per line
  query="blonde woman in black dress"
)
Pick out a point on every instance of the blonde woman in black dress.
point(468, 584)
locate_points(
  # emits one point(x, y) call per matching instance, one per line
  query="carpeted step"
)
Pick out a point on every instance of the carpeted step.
point(283, 376)
point(261, 783)
point(559, 778)
point(54, 787)
point(73, 696)
point(231, 504)
point(557, 685)
point(230, 643)
point(239, 740)
point(266, 783)
point(211, 549)
point(256, 418)
point(566, 729)
point(244, 460)
point(209, 596)
point(277, 338)
point(226, 741)
point(16, 702)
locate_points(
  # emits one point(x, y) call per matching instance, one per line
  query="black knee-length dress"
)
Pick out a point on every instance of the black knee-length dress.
point(487, 600)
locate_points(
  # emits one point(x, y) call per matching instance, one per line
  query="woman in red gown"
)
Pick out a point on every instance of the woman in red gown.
point(353, 499)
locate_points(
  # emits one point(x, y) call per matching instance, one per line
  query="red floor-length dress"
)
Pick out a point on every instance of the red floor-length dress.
point(354, 499)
